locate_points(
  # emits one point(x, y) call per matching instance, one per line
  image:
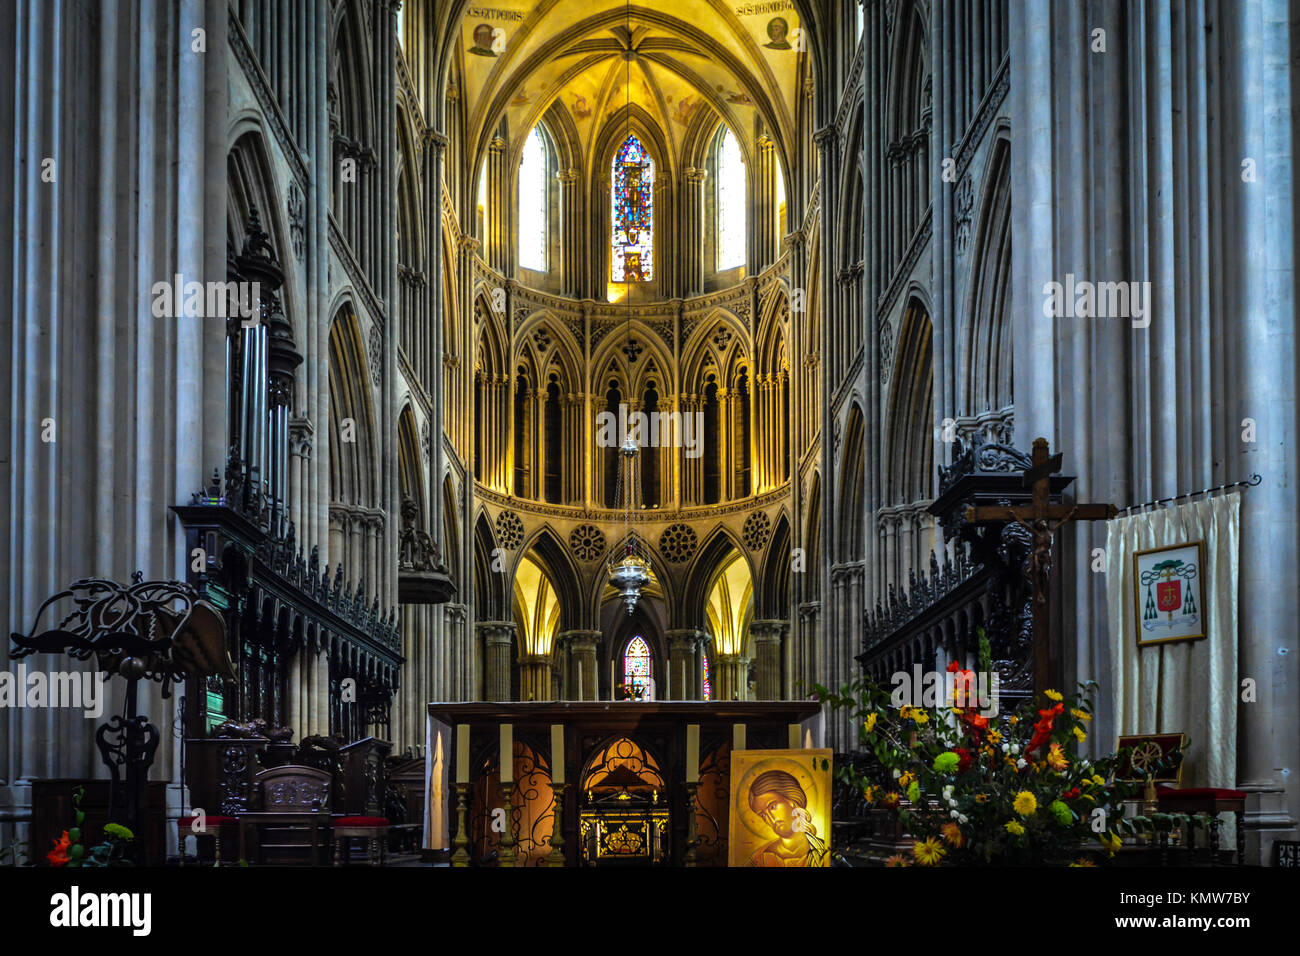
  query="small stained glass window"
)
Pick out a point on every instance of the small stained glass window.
point(707, 689)
point(636, 668)
point(632, 202)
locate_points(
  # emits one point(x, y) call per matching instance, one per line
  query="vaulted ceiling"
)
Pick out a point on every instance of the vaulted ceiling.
point(678, 67)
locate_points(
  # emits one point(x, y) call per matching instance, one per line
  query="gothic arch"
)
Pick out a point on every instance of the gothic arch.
point(410, 466)
point(712, 555)
point(489, 585)
point(772, 597)
point(852, 516)
point(556, 561)
point(354, 478)
point(988, 375)
point(909, 437)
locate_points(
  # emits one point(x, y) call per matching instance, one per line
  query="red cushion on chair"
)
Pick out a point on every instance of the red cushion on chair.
point(1200, 793)
point(361, 822)
point(210, 821)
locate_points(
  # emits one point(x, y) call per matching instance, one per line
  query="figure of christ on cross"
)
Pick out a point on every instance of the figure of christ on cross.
point(1041, 519)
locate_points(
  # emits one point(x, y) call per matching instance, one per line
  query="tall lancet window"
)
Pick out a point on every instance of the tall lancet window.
point(532, 203)
point(636, 668)
point(632, 202)
point(731, 203)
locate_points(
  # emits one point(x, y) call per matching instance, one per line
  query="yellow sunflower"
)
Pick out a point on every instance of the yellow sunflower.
point(1054, 694)
point(870, 723)
point(906, 779)
point(1025, 803)
point(928, 852)
point(1080, 734)
point(1014, 828)
point(1080, 714)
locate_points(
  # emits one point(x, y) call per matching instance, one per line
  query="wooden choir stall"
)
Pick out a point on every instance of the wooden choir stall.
point(635, 783)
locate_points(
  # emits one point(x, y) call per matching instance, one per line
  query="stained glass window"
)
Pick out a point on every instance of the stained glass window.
point(731, 203)
point(707, 688)
point(636, 668)
point(532, 203)
point(632, 202)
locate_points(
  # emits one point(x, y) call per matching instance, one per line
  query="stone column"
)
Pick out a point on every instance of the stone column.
point(582, 664)
point(764, 206)
point(498, 207)
point(691, 247)
point(767, 641)
point(497, 637)
point(684, 662)
point(535, 677)
point(572, 257)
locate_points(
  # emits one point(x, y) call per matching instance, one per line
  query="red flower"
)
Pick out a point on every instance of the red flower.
point(1070, 794)
point(1043, 728)
point(953, 666)
point(59, 855)
point(963, 764)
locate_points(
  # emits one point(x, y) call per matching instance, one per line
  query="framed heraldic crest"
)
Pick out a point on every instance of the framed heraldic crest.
point(1157, 756)
point(1168, 593)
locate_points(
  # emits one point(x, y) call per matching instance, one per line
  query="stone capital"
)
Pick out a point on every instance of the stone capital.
point(765, 632)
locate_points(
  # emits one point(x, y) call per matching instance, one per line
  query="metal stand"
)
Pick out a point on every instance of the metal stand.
point(129, 741)
point(506, 848)
point(461, 856)
point(556, 856)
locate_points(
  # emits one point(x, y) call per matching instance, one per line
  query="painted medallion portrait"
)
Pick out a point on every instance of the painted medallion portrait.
point(780, 808)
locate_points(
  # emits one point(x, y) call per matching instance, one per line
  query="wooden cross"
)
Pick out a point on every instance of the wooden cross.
point(1041, 519)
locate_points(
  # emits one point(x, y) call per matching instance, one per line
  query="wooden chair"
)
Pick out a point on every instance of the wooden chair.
point(374, 830)
point(289, 798)
point(216, 829)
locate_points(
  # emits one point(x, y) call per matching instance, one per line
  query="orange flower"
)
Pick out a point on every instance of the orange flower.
point(898, 860)
point(1056, 758)
point(59, 855)
point(891, 799)
point(952, 835)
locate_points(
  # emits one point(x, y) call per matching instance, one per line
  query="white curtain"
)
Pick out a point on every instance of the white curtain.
point(1188, 686)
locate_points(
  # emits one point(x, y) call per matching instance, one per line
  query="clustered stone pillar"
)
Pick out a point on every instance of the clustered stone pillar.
point(767, 641)
point(498, 211)
point(572, 255)
point(497, 636)
point(581, 671)
point(732, 677)
point(684, 649)
point(765, 208)
point(692, 232)
point(535, 677)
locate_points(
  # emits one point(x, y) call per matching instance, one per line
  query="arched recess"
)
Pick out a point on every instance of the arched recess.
point(772, 596)
point(907, 125)
point(557, 561)
point(715, 552)
point(988, 373)
point(489, 580)
point(909, 440)
point(355, 487)
point(491, 397)
point(536, 609)
point(410, 468)
point(352, 121)
point(851, 518)
point(451, 532)
point(772, 419)
point(645, 624)
point(809, 581)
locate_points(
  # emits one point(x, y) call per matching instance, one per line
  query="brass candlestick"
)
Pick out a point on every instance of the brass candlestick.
point(692, 834)
point(556, 856)
point(506, 848)
point(461, 842)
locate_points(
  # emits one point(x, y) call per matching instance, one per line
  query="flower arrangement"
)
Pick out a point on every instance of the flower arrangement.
point(987, 790)
point(68, 850)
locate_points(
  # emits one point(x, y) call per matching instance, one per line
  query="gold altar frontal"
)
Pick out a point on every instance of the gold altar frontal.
point(594, 783)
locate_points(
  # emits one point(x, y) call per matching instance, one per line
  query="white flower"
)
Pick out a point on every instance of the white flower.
point(1020, 763)
point(1006, 747)
point(955, 814)
point(897, 773)
point(947, 792)
point(962, 818)
point(1015, 748)
point(951, 801)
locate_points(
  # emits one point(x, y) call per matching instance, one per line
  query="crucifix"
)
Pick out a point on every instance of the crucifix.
point(1041, 519)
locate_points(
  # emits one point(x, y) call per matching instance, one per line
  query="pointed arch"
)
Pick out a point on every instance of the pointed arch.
point(354, 462)
point(489, 584)
point(909, 441)
point(852, 517)
point(988, 353)
point(772, 597)
point(410, 466)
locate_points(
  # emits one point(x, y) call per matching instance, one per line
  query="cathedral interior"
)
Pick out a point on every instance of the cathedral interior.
point(626, 351)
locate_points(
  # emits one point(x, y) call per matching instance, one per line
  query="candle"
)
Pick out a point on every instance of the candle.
point(580, 697)
point(737, 736)
point(557, 753)
point(794, 736)
point(462, 753)
point(507, 753)
point(670, 685)
point(692, 753)
point(686, 688)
